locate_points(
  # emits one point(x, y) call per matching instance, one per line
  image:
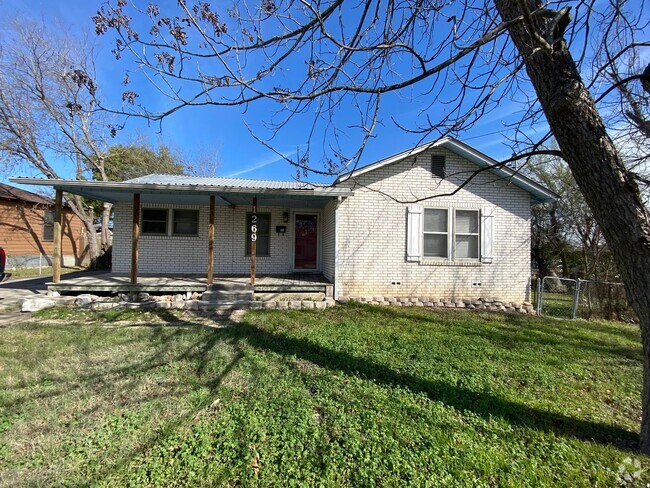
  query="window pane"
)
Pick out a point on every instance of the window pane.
point(48, 225)
point(154, 214)
point(186, 222)
point(435, 245)
point(466, 222)
point(438, 166)
point(467, 247)
point(263, 224)
point(149, 227)
point(435, 220)
point(154, 221)
point(262, 247)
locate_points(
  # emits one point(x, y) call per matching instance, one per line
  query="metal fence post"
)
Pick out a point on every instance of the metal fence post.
point(576, 299)
point(539, 295)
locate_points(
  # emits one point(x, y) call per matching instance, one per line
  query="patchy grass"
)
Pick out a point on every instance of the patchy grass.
point(354, 395)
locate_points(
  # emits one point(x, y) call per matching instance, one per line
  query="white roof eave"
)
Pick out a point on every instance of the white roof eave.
point(539, 193)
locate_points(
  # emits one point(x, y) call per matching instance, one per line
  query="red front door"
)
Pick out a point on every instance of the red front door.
point(306, 242)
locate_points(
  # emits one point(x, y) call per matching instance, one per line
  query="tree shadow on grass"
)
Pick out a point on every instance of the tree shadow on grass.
point(199, 350)
point(511, 331)
point(165, 346)
point(462, 399)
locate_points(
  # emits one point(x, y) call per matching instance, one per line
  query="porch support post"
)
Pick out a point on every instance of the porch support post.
point(211, 242)
point(135, 237)
point(58, 234)
point(253, 239)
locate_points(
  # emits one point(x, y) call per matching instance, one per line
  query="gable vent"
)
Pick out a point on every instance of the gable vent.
point(438, 166)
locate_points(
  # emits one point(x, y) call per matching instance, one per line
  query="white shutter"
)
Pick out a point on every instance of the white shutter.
point(414, 233)
point(487, 234)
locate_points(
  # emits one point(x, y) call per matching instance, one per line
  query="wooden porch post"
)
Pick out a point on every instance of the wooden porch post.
point(211, 242)
point(58, 234)
point(253, 239)
point(135, 237)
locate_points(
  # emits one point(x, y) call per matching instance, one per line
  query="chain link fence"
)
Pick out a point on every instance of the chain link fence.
point(569, 299)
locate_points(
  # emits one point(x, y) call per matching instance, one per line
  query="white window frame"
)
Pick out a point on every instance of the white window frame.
point(477, 234)
point(451, 236)
point(447, 233)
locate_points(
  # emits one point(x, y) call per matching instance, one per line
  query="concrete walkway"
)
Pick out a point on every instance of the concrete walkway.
point(12, 318)
point(13, 291)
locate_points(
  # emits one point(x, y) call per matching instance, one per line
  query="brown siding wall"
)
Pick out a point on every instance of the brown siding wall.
point(21, 232)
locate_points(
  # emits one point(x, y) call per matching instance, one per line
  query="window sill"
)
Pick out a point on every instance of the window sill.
point(446, 262)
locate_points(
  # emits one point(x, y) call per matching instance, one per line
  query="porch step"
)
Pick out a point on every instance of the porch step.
point(224, 305)
point(227, 295)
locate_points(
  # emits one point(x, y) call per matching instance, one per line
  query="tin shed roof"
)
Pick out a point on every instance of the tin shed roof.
point(223, 182)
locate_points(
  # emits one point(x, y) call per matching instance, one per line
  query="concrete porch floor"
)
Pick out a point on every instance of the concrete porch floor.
point(111, 282)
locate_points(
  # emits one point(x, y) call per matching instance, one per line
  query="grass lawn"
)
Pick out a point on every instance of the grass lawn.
point(353, 395)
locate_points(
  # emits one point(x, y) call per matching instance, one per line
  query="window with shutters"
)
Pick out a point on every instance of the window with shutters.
point(451, 234)
point(438, 166)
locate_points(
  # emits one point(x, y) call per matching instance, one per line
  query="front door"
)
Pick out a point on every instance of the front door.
point(306, 242)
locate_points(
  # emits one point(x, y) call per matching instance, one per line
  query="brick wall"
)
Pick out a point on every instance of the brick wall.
point(188, 255)
point(21, 235)
point(372, 233)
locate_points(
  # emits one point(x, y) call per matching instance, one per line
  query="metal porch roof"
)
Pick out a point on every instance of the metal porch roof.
point(196, 190)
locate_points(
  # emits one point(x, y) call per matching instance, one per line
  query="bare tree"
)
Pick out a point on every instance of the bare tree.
point(457, 60)
point(46, 114)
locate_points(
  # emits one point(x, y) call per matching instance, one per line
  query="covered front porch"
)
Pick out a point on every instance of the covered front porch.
point(179, 233)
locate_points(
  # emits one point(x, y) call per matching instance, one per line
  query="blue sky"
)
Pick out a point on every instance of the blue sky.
point(196, 131)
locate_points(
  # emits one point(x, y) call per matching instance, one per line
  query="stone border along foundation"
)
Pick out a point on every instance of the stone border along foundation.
point(486, 304)
point(192, 301)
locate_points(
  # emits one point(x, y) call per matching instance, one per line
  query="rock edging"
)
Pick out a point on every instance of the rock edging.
point(483, 303)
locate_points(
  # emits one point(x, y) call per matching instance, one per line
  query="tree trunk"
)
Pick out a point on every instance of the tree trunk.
point(106, 236)
point(609, 190)
point(88, 219)
point(93, 250)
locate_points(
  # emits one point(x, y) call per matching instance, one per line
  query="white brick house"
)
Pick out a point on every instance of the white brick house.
point(438, 220)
